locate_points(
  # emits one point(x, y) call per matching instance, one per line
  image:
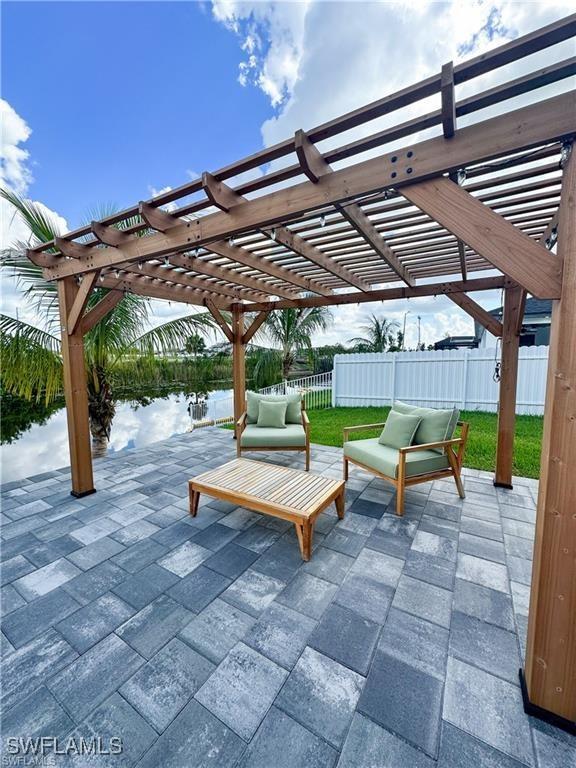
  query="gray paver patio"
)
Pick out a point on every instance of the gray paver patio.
point(209, 642)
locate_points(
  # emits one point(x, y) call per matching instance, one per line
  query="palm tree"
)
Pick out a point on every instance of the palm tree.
point(290, 331)
point(379, 335)
point(31, 356)
point(195, 345)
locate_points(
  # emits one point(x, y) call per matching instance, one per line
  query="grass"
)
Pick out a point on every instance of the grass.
point(326, 429)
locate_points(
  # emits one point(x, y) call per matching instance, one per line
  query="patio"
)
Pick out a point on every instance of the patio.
point(208, 642)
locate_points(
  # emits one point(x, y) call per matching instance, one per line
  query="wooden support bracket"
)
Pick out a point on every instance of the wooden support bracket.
point(217, 315)
point(477, 313)
point(80, 301)
point(100, 310)
point(256, 323)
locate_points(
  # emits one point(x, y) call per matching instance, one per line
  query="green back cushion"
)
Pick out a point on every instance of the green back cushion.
point(399, 429)
point(272, 414)
point(436, 424)
point(293, 402)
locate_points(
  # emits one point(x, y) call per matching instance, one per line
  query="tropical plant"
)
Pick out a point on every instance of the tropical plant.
point(379, 335)
point(31, 356)
point(289, 331)
point(195, 345)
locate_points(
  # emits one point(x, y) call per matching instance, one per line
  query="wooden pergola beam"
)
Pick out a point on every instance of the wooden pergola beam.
point(315, 167)
point(489, 234)
point(226, 199)
point(477, 312)
point(245, 257)
point(524, 128)
point(448, 100)
point(382, 294)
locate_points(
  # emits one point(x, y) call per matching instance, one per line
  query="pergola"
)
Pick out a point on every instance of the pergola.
point(421, 214)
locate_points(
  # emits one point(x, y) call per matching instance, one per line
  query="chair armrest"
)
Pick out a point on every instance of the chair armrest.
point(241, 423)
point(305, 420)
point(428, 446)
point(360, 427)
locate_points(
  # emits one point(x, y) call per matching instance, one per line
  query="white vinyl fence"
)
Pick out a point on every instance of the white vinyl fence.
point(442, 378)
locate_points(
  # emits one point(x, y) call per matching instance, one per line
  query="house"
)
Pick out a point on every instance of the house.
point(535, 327)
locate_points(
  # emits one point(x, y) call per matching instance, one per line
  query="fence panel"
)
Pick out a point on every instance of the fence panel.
point(438, 379)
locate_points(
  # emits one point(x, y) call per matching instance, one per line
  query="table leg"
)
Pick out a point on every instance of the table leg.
point(305, 532)
point(194, 499)
point(340, 502)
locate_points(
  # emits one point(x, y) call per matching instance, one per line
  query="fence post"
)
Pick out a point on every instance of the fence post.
point(393, 397)
point(334, 368)
point(465, 378)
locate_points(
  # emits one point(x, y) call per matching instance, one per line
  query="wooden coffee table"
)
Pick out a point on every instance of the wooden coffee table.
point(290, 494)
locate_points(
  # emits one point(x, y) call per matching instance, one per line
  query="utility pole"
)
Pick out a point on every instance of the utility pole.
point(404, 330)
point(419, 318)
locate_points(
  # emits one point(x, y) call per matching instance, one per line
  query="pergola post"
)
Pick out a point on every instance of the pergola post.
point(549, 680)
point(513, 307)
point(76, 393)
point(238, 361)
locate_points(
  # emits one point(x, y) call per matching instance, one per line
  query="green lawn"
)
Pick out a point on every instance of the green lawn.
point(326, 428)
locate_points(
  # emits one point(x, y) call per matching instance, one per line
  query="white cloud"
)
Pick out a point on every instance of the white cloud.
point(317, 60)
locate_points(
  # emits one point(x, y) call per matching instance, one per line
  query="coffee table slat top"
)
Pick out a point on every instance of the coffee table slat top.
point(283, 488)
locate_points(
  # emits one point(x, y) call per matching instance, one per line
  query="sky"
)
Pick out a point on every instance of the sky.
point(107, 103)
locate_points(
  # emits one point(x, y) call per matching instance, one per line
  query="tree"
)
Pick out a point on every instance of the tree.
point(31, 356)
point(195, 345)
point(379, 335)
point(290, 331)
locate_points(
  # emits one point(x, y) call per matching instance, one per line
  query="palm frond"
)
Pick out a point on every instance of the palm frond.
point(172, 336)
point(42, 294)
point(31, 362)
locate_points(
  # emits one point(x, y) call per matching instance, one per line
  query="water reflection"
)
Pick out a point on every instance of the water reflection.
point(45, 446)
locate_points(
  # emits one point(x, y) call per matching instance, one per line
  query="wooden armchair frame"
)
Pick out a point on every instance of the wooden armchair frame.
point(455, 459)
point(241, 425)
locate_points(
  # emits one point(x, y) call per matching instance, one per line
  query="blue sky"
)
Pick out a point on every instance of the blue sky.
point(109, 102)
point(123, 97)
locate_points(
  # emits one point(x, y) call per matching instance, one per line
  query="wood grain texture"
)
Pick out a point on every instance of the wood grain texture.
point(283, 492)
point(76, 394)
point(526, 262)
point(550, 668)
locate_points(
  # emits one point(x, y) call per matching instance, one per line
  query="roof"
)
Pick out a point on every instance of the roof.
point(533, 307)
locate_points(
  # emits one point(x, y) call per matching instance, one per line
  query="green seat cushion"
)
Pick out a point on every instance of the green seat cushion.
point(399, 429)
point(436, 425)
point(272, 414)
point(293, 410)
point(384, 459)
point(293, 436)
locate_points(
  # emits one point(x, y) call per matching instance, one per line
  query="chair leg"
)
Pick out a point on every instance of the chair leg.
point(400, 499)
point(456, 473)
point(307, 457)
point(345, 469)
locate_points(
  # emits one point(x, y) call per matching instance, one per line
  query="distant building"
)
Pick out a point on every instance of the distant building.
point(457, 342)
point(535, 327)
